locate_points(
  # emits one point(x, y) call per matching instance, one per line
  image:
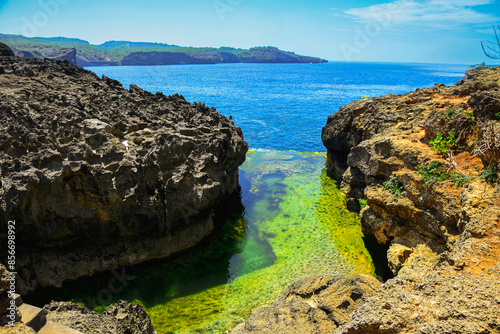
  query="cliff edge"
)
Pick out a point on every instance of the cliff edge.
point(426, 163)
point(422, 169)
point(98, 177)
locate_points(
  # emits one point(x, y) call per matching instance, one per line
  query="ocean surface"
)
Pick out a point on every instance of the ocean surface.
point(290, 219)
point(283, 106)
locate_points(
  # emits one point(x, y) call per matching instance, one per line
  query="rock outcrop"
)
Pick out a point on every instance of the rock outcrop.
point(120, 318)
point(98, 177)
point(68, 54)
point(5, 51)
point(314, 305)
point(116, 53)
point(437, 208)
point(9, 314)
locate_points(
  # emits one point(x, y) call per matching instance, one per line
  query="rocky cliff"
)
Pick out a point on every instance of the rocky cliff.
point(97, 177)
point(427, 165)
point(422, 169)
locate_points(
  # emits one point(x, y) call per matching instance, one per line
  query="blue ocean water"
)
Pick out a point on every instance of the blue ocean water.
point(283, 106)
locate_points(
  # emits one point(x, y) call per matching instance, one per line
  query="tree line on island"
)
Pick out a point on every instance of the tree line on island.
point(114, 53)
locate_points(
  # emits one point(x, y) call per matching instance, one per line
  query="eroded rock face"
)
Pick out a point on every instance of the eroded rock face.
point(444, 239)
point(98, 177)
point(5, 51)
point(68, 54)
point(431, 301)
point(317, 304)
point(120, 318)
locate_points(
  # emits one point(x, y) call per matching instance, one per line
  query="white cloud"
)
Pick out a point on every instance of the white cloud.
point(426, 12)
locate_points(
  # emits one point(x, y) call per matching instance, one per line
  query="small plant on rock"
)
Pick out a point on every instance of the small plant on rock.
point(432, 172)
point(444, 144)
point(395, 187)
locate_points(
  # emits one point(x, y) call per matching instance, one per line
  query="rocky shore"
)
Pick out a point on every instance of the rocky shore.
point(422, 169)
point(97, 177)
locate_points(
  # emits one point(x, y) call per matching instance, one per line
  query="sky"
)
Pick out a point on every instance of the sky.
point(423, 31)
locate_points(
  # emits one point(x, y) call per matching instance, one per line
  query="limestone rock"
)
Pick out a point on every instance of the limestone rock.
point(317, 304)
point(98, 177)
point(444, 239)
point(5, 51)
point(120, 318)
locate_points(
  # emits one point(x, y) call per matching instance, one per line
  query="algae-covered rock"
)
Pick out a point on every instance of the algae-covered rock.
point(97, 177)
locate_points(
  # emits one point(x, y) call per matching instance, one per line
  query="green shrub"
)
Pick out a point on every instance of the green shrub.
point(395, 187)
point(448, 115)
point(443, 145)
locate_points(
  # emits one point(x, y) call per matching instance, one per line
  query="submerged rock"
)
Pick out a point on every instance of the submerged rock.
point(98, 177)
point(442, 223)
point(119, 318)
point(317, 304)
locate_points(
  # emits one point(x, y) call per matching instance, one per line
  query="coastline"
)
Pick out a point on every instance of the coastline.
point(442, 236)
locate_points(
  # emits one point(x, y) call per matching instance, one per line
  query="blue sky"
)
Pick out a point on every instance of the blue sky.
point(440, 31)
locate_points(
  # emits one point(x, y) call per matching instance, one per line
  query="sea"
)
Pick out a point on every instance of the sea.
point(289, 219)
point(283, 106)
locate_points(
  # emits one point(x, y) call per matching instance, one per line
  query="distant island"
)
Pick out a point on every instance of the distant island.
point(115, 53)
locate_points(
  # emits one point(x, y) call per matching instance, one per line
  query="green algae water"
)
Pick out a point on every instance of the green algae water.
point(289, 222)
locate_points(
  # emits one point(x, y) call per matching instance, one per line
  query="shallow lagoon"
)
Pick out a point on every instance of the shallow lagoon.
point(289, 222)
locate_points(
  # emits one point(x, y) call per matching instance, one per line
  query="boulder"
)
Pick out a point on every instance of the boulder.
point(98, 177)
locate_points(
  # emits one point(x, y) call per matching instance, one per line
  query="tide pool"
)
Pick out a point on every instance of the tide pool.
point(289, 222)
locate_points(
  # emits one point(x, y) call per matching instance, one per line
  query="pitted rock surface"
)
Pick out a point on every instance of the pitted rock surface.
point(98, 177)
point(444, 238)
point(119, 318)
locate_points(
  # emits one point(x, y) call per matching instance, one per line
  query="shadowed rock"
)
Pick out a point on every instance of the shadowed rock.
point(316, 304)
point(444, 237)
